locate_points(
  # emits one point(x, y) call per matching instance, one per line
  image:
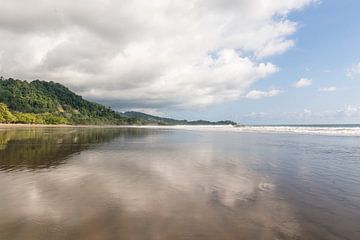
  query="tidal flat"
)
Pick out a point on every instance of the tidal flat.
point(154, 183)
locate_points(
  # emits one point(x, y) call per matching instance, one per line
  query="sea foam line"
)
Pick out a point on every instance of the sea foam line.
point(328, 131)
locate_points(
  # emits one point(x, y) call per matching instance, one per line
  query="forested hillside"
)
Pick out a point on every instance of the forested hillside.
point(51, 103)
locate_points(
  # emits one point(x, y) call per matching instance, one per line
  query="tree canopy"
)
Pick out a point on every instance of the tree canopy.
point(41, 102)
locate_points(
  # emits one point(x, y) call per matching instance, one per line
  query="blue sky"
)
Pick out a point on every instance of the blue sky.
point(327, 46)
point(251, 61)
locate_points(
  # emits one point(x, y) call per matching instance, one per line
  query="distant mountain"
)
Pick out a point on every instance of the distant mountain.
point(41, 102)
point(170, 121)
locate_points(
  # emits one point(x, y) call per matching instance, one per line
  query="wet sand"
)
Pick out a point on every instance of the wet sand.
point(131, 183)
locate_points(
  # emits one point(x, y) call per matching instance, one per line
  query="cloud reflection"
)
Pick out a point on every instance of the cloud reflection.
point(146, 187)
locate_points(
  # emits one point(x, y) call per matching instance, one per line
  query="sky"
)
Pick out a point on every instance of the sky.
point(250, 61)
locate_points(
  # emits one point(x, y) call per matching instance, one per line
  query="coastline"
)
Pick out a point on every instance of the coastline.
point(340, 131)
point(21, 125)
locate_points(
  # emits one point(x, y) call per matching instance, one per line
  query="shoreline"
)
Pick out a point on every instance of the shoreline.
point(14, 126)
point(335, 131)
point(21, 125)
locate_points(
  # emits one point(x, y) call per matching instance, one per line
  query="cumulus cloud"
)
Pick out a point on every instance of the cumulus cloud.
point(354, 71)
point(256, 94)
point(146, 53)
point(327, 89)
point(303, 82)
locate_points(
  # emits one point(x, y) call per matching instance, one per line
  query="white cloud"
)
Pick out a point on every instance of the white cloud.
point(354, 71)
point(145, 54)
point(351, 111)
point(306, 113)
point(327, 89)
point(303, 82)
point(256, 94)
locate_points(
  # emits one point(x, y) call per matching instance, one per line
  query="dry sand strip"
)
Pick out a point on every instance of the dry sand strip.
point(9, 126)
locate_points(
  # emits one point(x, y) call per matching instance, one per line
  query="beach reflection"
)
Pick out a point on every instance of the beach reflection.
point(38, 148)
point(139, 185)
point(143, 184)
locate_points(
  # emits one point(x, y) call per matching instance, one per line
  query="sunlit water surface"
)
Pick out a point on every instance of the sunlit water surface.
point(177, 184)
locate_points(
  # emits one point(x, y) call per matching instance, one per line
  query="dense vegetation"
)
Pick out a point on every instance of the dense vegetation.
point(40, 102)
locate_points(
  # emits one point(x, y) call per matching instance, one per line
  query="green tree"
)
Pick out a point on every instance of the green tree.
point(5, 115)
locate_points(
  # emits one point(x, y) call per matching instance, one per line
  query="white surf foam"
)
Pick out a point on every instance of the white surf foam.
point(310, 130)
point(331, 131)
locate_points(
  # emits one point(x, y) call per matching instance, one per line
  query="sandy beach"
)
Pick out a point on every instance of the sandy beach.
point(8, 126)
